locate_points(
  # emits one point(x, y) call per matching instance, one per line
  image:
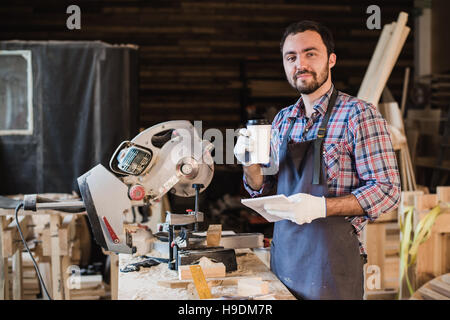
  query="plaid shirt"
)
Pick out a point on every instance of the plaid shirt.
point(357, 150)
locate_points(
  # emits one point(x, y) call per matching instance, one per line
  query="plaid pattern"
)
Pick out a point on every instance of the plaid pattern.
point(357, 151)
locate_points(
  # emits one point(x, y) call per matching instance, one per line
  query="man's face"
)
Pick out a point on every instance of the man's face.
point(306, 61)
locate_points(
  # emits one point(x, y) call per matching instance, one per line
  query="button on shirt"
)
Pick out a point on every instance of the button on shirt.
point(357, 152)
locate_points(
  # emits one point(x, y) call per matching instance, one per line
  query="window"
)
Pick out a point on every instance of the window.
point(16, 93)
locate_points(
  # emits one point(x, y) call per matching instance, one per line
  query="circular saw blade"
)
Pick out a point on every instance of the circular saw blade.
point(205, 174)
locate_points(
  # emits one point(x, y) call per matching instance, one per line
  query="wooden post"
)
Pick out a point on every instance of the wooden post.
point(66, 262)
point(57, 281)
point(376, 236)
point(114, 276)
point(17, 285)
point(4, 279)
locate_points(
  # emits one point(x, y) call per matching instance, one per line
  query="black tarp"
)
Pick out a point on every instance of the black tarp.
point(85, 102)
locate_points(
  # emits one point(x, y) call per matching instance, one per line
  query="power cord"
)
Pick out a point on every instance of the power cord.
point(20, 205)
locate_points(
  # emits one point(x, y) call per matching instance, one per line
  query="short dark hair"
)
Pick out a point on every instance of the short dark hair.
point(305, 25)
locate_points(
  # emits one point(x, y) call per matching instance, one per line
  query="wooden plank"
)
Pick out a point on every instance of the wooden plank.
point(213, 235)
point(97, 291)
point(388, 58)
point(385, 294)
point(214, 270)
point(375, 60)
point(57, 279)
point(404, 91)
point(442, 223)
point(4, 274)
point(391, 272)
point(212, 282)
point(252, 287)
point(66, 273)
point(17, 281)
point(114, 277)
point(426, 202)
point(432, 254)
point(376, 239)
point(443, 194)
point(11, 237)
point(45, 270)
point(410, 168)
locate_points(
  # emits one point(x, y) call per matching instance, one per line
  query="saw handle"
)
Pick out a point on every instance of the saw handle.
point(35, 202)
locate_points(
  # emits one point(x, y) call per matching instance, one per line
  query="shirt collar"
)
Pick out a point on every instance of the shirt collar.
point(321, 104)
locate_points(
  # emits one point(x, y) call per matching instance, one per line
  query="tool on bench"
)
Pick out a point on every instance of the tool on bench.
point(168, 157)
point(147, 263)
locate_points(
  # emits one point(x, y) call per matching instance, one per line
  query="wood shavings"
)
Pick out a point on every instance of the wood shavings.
point(143, 285)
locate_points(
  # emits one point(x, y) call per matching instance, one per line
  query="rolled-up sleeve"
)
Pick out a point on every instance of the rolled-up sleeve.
point(375, 160)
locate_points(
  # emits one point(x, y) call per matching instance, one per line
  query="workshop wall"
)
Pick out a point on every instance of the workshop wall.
point(208, 60)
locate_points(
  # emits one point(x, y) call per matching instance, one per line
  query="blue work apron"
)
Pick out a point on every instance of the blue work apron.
point(321, 259)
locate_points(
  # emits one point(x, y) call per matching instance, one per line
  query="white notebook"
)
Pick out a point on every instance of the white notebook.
point(257, 204)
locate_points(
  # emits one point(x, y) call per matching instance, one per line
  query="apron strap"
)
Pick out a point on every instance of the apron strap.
point(318, 142)
point(288, 133)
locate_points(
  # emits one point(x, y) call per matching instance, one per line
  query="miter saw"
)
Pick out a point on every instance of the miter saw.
point(168, 157)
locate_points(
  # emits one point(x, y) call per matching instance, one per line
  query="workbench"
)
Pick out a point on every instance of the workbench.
point(160, 283)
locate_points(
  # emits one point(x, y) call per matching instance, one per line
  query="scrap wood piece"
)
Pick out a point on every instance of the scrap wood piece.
point(11, 240)
point(212, 282)
point(142, 239)
point(85, 281)
point(210, 269)
point(96, 291)
point(252, 287)
point(213, 235)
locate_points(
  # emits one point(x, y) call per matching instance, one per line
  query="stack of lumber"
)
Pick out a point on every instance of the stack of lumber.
point(88, 287)
point(30, 282)
point(385, 56)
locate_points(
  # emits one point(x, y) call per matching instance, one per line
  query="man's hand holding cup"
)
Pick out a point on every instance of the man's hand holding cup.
point(253, 143)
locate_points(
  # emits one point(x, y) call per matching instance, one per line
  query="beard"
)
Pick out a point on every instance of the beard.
point(310, 85)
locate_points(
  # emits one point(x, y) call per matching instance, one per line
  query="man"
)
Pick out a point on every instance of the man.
point(335, 163)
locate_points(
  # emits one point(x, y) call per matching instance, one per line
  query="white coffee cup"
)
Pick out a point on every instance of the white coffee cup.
point(260, 140)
